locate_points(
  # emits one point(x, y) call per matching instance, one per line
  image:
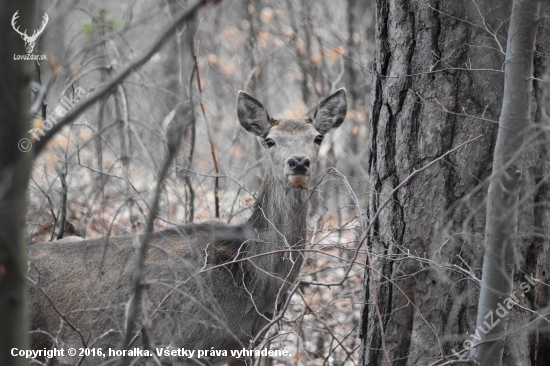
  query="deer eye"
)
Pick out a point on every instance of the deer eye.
point(269, 142)
point(319, 139)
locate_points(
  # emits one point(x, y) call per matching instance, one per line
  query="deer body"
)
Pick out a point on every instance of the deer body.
point(210, 285)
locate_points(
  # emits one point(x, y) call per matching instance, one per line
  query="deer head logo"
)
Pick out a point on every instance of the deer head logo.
point(29, 41)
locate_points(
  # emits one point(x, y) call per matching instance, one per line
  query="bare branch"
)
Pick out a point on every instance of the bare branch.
point(82, 105)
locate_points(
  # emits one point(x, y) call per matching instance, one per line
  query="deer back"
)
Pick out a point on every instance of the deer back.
point(196, 296)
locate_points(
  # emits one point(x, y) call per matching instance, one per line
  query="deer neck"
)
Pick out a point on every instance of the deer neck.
point(280, 211)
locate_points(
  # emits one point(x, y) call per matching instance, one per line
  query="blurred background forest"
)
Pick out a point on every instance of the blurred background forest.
point(415, 155)
point(288, 54)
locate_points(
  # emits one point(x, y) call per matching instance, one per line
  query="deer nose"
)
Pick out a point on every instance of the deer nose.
point(299, 164)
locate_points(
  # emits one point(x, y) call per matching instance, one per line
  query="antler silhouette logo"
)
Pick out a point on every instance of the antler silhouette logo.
point(29, 41)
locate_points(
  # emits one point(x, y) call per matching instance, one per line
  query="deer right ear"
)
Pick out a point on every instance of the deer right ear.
point(252, 115)
point(331, 112)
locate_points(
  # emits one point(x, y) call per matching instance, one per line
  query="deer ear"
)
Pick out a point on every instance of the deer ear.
point(252, 115)
point(331, 112)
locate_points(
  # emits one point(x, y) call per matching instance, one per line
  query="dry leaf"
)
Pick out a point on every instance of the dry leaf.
point(54, 64)
point(37, 123)
point(290, 113)
point(232, 36)
point(75, 69)
point(316, 58)
point(237, 151)
point(289, 33)
point(228, 68)
point(335, 53)
point(267, 15)
point(211, 58)
point(263, 37)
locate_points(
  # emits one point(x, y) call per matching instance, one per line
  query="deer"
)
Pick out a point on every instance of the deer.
point(29, 40)
point(212, 285)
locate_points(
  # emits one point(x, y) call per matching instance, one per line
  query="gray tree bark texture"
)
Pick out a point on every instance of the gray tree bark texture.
point(503, 194)
point(454, 53)
point(15, 166)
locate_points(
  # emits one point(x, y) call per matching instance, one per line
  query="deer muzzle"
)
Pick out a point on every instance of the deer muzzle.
point(298, 171)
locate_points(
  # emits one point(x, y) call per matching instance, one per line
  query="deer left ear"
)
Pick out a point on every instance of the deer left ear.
point(252, 115)
point(331, 112)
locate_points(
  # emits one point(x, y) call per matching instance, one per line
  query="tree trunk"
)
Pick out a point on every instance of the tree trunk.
point(178, 68)
point(15, 166)
point(437, 219)
point(503, 195)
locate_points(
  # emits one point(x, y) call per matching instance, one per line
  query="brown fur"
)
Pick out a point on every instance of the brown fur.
point(292, 125)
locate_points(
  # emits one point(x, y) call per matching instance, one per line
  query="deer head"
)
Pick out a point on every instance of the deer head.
point(292, 144)
point(29, 41)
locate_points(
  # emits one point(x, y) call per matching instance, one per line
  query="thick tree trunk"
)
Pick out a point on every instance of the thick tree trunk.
point(437, 219)
point(15, 76)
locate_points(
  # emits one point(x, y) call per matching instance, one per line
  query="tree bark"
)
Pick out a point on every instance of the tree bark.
point(15, 166)
point(452, 54)
point(503, 195)
point(178, 67)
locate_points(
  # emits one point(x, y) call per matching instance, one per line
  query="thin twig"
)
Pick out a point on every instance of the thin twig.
point(63, 210)
point(212, 147)
point(418, 73)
